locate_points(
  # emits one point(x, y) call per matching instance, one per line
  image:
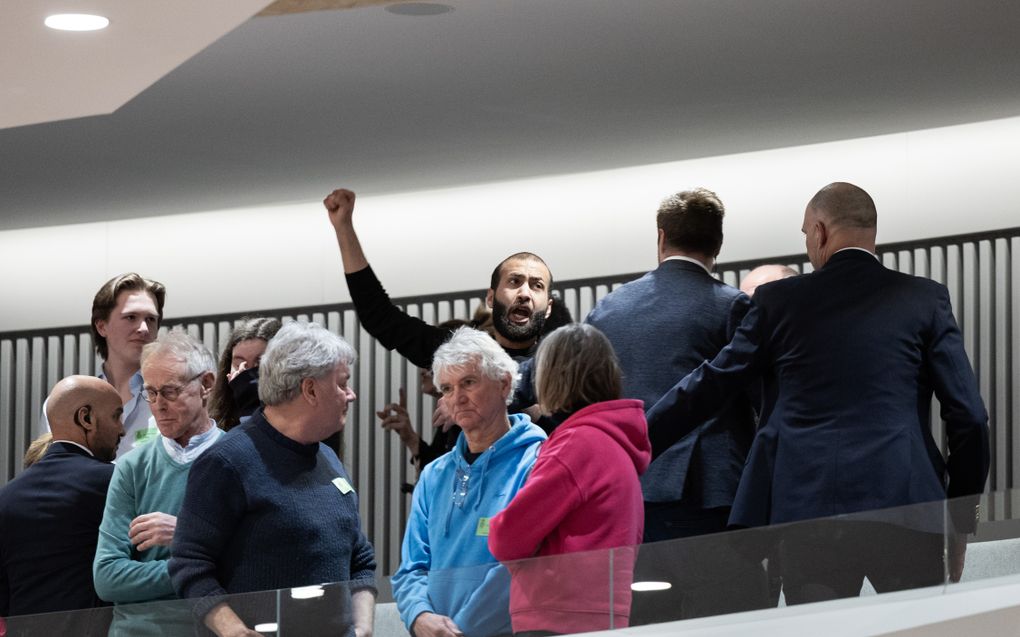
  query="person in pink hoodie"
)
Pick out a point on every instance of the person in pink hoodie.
point(582, 498)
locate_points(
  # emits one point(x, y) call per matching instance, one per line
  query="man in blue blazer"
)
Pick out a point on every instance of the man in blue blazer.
point(662, 326)
point(50, 514)
point(851, 355)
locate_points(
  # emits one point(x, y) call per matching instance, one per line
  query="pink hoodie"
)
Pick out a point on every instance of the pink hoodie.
point(583, 495)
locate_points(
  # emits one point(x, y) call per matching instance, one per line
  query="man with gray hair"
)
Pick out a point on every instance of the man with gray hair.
point(271, 507)
point(489, 464)
point(148, 485)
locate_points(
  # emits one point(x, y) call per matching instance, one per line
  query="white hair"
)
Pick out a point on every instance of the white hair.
point(184, 347)
point(468, 346)
point(299, 351)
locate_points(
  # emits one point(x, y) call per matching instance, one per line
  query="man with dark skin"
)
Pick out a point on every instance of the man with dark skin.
point(50, 514)
point(79, 410)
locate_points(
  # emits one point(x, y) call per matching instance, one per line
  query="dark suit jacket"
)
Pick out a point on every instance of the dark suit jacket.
point(49, 527)
point(662, 326)
point(853, 353)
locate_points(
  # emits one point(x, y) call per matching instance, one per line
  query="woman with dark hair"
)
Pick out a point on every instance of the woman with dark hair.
point(236, 393)
point(583, 496)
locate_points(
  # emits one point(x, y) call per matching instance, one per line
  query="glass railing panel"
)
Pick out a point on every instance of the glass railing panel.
point(861, 554)
point(297, 612)
point(572, 593)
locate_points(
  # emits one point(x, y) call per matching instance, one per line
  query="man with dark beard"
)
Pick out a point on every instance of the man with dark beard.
point(518, 295)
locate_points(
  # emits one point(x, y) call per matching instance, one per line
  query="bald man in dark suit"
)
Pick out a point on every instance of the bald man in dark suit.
point(50, 514)
point(851, 355)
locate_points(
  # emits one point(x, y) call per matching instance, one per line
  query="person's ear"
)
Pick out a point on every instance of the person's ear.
point(83, 418)
point(504, 386)
point(548, 309)
point(101, 327)
point(208, 380)
point(488, 298)
point(822, 233)
point(309, 390)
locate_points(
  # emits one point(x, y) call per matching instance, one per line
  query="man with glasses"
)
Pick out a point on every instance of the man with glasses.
point(149, 482)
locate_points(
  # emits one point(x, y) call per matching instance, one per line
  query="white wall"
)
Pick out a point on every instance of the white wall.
point(925, 183)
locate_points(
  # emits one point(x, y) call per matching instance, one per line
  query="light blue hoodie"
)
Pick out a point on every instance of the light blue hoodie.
point(445, 563)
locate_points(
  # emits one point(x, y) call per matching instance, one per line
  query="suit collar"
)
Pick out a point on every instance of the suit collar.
point(851, 255)
point(71, 447)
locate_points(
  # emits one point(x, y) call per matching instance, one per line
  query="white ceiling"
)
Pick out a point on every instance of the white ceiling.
point(283, 108)
point(48, 75)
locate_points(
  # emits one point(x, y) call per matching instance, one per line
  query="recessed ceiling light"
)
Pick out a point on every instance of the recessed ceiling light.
point(76, 22)
point(419, 8)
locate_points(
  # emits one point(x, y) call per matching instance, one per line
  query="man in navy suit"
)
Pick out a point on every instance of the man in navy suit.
point(50, 514)
point(850, 355)
point(662, 326)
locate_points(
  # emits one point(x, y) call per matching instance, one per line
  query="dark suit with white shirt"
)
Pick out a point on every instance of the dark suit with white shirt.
point(49, 528)
point(853, 354)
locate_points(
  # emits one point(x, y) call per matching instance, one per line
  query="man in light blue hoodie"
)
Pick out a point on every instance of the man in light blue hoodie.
point(448, 583)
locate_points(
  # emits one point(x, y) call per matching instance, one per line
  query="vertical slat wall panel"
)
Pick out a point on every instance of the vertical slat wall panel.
point(981, 272)
point(1001, 389)
point(22, 401)
point(1008, 385)
point(37, 393)
point(7, 424)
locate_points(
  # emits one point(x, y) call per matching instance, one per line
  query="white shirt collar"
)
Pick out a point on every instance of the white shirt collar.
point(82, 447)
point(701, 265)
point(861, 249)
point(196, 445)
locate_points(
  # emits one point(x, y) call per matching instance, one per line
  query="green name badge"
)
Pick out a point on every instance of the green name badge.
point(483, 527)
point(343, 485)
point(143, 436)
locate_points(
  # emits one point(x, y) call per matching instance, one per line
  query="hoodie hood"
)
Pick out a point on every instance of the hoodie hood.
point(521, 435)
point(622, 420)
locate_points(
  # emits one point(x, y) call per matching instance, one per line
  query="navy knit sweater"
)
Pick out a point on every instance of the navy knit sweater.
point(262, 512)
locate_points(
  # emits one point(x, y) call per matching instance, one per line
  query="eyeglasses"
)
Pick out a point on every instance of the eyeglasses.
point(169, 393)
